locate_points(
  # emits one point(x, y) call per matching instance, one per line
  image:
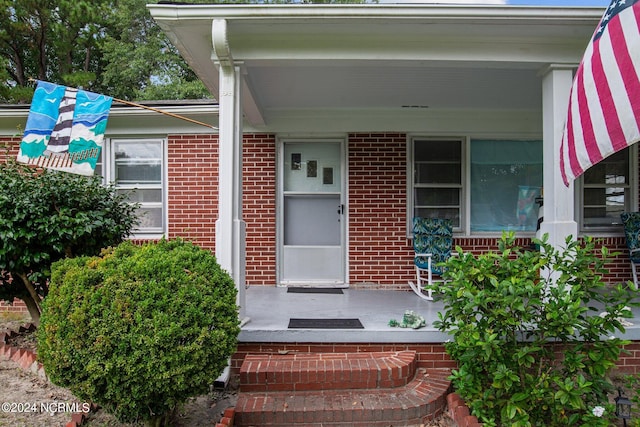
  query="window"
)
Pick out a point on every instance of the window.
point(506, 178)
point(136, 167)
point(437, 179)
point(606, 191)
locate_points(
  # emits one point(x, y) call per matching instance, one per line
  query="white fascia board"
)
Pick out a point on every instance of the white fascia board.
point(169, 12)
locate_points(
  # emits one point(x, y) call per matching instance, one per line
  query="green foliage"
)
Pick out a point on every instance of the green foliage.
point(532, 346)
point(50, 40)
point(632, 382)
point(139, 329)
point(48, 215)
point(106, 46)
point(142, 63)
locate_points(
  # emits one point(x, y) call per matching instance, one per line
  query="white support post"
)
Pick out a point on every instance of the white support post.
point(558, 208)
point(230, 228)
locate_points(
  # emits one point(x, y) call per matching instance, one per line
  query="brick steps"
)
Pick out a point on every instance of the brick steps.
point(327, 371)
point(339, 389)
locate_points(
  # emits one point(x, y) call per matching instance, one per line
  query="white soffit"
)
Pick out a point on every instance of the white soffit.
point(357, 57)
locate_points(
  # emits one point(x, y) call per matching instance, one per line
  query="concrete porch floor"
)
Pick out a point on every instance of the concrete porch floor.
point(270, 308)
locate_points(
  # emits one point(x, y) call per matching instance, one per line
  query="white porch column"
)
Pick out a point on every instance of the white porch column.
point(230, 228)
point(558, 208)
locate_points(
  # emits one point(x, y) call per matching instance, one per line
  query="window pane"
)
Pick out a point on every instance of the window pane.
point(437, 173)
point(437, 179)
point(603, 206)
point(141, 172)
point(438, 162)
point(143, 195)
point(606, 191)
point(138, 150)
point(437, 196)
point(506, 178)
point(612, 170)
point(150, 218)
point(436, 150)
point(451, 214)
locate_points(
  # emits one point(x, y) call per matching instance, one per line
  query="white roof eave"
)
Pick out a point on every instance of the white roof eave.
point(368, 11)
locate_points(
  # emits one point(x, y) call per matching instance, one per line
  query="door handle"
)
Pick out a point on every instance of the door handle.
point(340, 211)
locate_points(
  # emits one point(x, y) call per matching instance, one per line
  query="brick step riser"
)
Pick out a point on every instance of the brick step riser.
point(421, 400)
point(323, 371)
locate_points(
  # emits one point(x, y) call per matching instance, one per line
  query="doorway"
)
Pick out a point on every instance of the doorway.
point(312, 214)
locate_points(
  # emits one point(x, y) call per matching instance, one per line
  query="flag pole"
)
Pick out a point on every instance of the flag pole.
point(157, 110)
point(166, 113)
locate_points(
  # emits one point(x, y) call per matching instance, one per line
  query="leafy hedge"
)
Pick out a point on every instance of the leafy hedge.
point(139, 329)
point(535, 333)
point(47, 215)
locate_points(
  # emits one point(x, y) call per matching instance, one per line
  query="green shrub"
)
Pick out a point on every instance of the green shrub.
point(532, 346)
point(47, 215)
point(140, 329)
point(632, 384)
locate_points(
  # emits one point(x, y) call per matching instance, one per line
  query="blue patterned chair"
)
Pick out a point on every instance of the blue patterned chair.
point(631, 222)
point(432, 244)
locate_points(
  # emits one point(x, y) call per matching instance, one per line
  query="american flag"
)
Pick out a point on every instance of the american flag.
point(604, 105)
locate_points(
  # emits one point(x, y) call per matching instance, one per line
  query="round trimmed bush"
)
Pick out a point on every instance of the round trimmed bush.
point(139, 329)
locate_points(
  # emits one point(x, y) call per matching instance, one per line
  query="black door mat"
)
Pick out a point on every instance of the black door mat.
point(299, 290)
point(325, 324)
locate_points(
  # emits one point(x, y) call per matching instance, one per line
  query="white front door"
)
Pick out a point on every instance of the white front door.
point(312, 213)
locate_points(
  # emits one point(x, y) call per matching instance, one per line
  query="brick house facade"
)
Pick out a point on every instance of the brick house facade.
point(378, 79)
point(380, 254)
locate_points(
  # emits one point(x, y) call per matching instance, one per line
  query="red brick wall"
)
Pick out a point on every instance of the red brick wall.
point(629, 361)
point(17, 306)
point(619, 267)
point(12, 144)
point(193, 197)
point(380, 255)
point(429, 355)
point(259, 209)
point(192, 180)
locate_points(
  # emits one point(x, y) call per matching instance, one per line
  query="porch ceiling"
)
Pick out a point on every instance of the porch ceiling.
point(341, 59)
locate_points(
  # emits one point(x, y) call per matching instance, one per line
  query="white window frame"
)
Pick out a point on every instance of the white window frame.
point(631, 205)
point(463, 178)
point(465, 197)
point(108, 173)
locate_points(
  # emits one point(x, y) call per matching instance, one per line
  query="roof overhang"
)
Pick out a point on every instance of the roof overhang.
point(150, 118)
point(378, 60)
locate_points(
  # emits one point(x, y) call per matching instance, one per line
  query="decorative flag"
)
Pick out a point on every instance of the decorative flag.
point(65, 129)
point(604, 105)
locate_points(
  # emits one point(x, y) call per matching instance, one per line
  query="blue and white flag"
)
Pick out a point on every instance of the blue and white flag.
point(65, 129)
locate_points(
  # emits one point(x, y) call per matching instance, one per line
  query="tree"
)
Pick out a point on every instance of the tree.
point(106, 46)
point(46, 216)
point(142, 63)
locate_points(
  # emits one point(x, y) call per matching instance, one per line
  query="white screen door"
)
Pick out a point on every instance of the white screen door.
point(312, 220)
